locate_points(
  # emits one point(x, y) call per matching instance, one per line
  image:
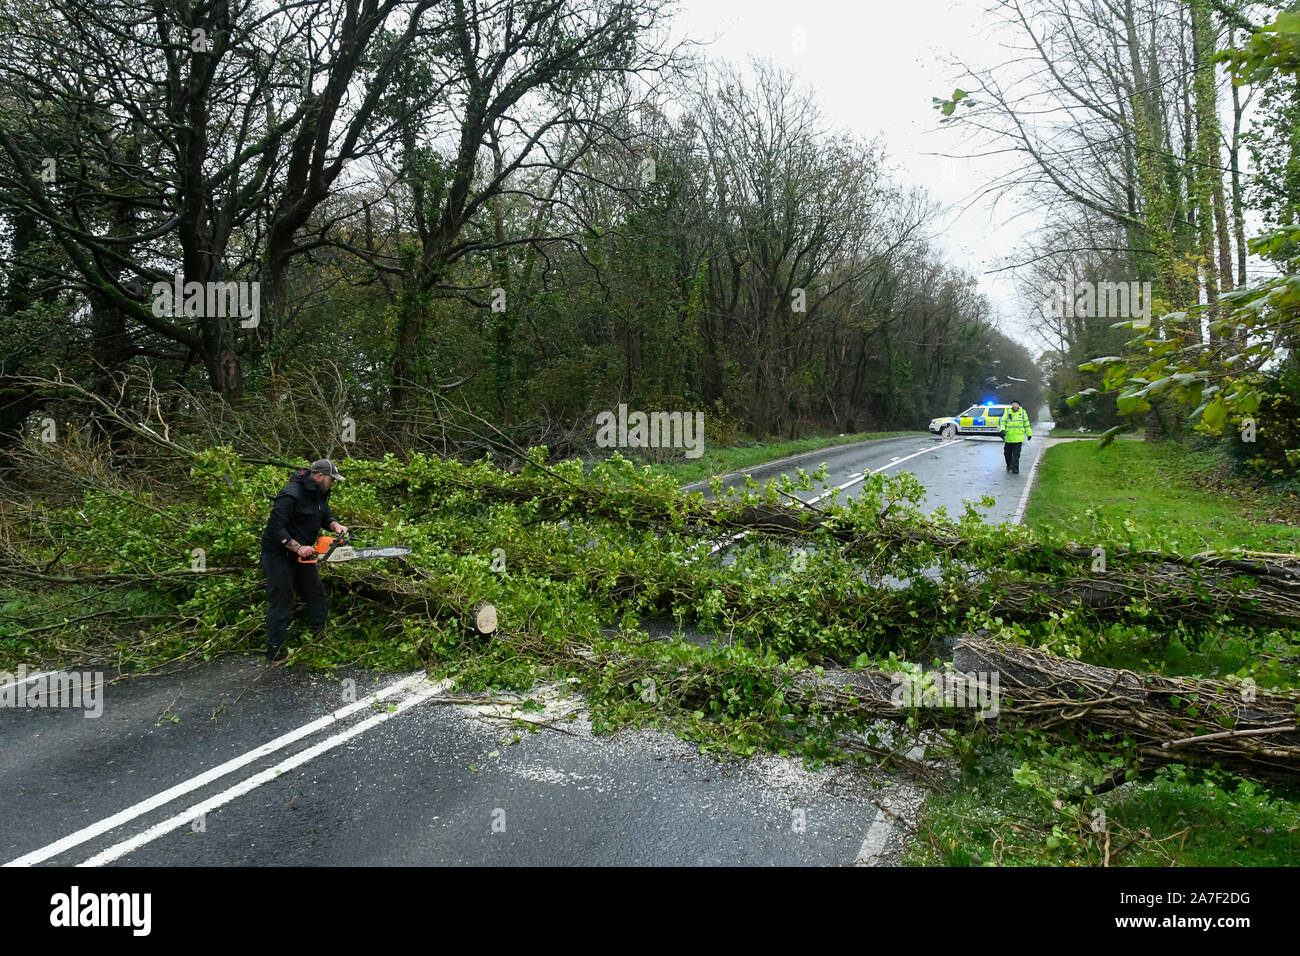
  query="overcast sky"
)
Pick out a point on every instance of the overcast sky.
point(874, 66)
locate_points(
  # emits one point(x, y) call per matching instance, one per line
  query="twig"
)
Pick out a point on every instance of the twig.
point(1258, 732)
point(55, 560)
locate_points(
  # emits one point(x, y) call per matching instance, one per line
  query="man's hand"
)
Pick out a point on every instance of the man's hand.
point(339, 528)
point(306, 551)
point(1029, 438)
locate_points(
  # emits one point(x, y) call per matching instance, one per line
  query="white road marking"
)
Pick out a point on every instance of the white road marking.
point(779, 461)
point(726, 541)
point(1029, 487)
point(1048, 442)
point(877, 838)
point(203, 779)
point(892, 463)
point(185, 817)
point(854, 478)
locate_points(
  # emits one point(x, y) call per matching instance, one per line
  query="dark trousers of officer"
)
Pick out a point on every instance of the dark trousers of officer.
point(285, 575)
point(1011, 452)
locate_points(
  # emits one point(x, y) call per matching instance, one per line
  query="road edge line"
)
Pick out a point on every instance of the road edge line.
point(1032, 478)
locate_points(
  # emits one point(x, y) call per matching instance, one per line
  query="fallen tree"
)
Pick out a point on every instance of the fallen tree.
point(1167, 719)
point(586, 549)
point(882, 532)
point(1152, 720)
point(1262, 590)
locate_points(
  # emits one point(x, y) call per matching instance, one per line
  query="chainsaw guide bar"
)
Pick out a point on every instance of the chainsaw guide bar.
point(349, 553)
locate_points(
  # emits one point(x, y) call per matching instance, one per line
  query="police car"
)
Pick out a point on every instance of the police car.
point(983, 419)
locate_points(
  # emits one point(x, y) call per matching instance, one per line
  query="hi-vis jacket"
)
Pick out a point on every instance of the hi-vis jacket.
point(1016, 427)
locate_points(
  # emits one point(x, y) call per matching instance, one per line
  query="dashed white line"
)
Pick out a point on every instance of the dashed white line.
point(799, 457)
point(203, 779)
point(726, 541)
point(883, 826)
point(854, 478)
point(892, 463)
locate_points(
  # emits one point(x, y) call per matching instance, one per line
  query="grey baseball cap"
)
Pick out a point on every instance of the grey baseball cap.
point(325, 467)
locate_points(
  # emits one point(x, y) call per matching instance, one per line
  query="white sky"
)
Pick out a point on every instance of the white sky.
point(874, 67)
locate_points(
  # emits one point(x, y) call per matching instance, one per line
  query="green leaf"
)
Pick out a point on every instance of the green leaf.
point(1287, 22)
point(1129, 402)
point(1215, 414)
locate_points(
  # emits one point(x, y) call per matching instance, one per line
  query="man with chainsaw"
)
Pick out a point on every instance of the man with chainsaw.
point(300, 512)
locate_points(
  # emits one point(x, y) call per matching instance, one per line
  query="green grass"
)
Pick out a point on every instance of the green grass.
point(1070, 433)
point(1175, 817)
point(1161, 493)
point(1020, 803)
point(723, 461)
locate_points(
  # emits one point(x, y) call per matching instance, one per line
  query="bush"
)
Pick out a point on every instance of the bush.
point(1274, 455)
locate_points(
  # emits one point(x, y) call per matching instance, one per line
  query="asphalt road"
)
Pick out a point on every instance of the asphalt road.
point(951, 471)
point(235, 763)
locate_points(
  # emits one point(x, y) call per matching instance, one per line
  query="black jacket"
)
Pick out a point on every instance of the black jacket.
point(301, 511)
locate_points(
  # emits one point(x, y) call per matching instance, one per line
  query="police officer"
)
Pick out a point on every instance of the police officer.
point(1015, 431)
point(301, 510)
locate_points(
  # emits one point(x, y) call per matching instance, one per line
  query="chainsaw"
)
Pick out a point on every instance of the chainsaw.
point(333, 550)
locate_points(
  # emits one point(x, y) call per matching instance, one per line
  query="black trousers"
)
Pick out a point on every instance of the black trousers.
point(285, 576)
point(1011, 452)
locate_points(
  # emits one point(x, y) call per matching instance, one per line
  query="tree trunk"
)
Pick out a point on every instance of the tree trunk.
point(1168, 719)
point(1206, 149)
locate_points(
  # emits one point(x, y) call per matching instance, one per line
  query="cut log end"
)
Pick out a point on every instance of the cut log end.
point(485, 618)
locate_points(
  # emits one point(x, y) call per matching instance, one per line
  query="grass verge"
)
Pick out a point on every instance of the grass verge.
point(1164, 494)
point(1008, 811)
point(1024, 802)
point(1072, 433)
